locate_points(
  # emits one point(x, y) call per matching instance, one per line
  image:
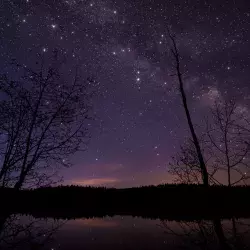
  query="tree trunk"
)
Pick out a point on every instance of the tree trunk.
point(202, 164)
point(229, 176)
point(191, 127)
point(220, 234)
point(20, 181)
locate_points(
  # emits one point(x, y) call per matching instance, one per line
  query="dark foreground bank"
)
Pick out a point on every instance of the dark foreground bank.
point(188, 202)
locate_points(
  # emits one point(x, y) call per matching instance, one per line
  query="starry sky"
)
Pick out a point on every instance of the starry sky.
point(140, 122)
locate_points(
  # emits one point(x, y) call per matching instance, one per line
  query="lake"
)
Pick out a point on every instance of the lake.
point(118, 232)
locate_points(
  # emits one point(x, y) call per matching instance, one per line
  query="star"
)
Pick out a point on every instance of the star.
point(136, 100)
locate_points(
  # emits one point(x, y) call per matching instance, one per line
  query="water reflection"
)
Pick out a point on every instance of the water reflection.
point(26, 232)
point(117, 232)
point(216, 234)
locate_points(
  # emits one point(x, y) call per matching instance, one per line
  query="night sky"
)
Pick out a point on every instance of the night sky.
point(123, 45)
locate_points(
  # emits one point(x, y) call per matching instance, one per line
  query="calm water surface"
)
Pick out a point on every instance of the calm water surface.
point(27, 232)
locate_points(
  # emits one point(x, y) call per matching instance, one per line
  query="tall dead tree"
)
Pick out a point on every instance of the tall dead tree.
point(44, 119)
point(177, 62)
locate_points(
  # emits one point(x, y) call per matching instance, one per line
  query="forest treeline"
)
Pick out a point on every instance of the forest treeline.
point(164, 201)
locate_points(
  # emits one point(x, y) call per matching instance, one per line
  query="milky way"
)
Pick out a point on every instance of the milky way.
point(140, 122)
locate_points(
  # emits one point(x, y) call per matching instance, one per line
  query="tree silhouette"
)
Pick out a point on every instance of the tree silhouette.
point(177, 65)
point(225, 147)
point(185, 165)
point(228, 134)
point(43, 120)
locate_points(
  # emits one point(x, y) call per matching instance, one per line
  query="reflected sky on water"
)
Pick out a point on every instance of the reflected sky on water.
point(27, 232)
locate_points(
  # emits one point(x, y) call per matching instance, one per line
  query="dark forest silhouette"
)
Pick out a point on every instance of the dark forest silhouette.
point(164, 201)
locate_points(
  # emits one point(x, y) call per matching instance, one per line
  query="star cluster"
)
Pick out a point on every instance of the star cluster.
point(123, 45)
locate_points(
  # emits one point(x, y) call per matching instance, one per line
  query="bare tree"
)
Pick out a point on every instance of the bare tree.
point(43, 120)
point(179, 74)
point(229, 138)
point(185, 165)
